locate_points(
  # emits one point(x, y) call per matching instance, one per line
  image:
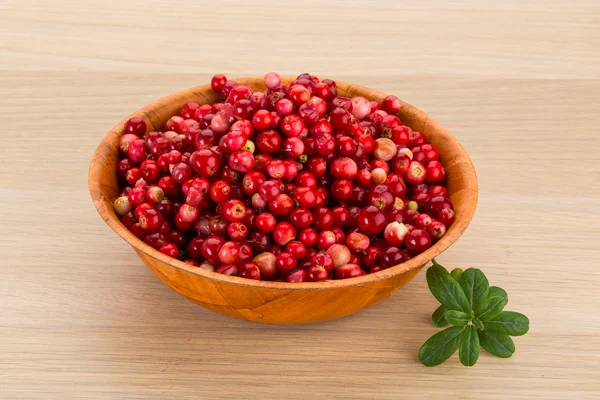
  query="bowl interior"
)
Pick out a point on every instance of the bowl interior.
point(461, 180)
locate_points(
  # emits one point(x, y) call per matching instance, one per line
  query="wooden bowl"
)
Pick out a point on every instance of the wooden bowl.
point(282, 302)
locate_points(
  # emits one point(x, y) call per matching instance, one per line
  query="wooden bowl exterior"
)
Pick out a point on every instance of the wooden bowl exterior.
point(283, 302)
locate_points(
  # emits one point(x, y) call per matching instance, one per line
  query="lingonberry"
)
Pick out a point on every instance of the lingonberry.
point(122, 206)
point(325, 239)
point(436, 230)
point(229, 252)
point(228, 269)
point(169, 249)
point(298, 94)
point(415, 138)
point(292, 125)
point(316, 166)
point(433, 206)
point(372, 220)
point(417, 241)
point(205, 162)
point(348, 271)
point(340, 236)
point(341, 190)
point(266, 263)
point(241, 161)
point(217, 83)
point(284, 233)
point(393, 256)
point(341, 217)
point(340, 254)
point(344, 168)
point(400, 134)
point(322, 260)
point(237, 231)
point(446, 216)
point(416, 173)
point(249, 270)
point(395, 233)
point(391, 104)
point(435, 172)
point(269, 191)
point(324, 144)
point(210, 249)
point(378, 176)
point(308, 237)
point(438, 190)
point(297, 275)
point(150, 220)
point(341, 119)
point(286, 262)
point(293, 147)
point(155, 194)
point(194, 249)
point(139, 209)
point(259, 241)
point(316, 273)
point(156, 240)
point(357, 242)
point(301, 218)
point(220, 191)
point(234, 210)
point(282, 205)
point(296, 249)
point(323, 218)
point(136, 196)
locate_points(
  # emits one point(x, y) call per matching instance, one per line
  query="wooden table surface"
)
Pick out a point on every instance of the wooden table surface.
point(517, 82)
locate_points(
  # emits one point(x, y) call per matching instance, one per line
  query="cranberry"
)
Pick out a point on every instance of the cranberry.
point(372, 220)
point(293, 147)
point(284, 107)
point(316, 166)
point(394, 233)
point(416, 173)
point(340, 118)
point(220, 191)
point(340, 254)
point(437, 190)
point(249, 270)
point(301, 218)
point(436, 230)
point(400, 134)
point(309, 112)
point(284, 233)
point(229, 252)
point(348, 271)
point(401, 163)
point(371, 257)
point(323, 218)
point(155, 240)
point(265, 222)
point(237, 231)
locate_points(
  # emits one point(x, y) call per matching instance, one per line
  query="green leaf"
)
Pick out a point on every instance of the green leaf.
point(468, 351)
point(497, 344)
point(457, 318)
point(456, 273)
point(440, 346)
point(478, 324)
point(475, 285)
point(446, 290)
point(497, 291)
point(438, 319)
point(491, 308)
point(508, 323)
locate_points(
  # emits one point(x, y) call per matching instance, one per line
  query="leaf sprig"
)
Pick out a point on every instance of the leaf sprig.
point(475, 311)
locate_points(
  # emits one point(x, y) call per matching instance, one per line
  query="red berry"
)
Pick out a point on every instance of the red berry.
point(135, 126)
point(205, 162)
point(282, 205)
point(322, 260)
point(417, 240)
point(284, 233)
point(150, 220)
point(316, 274)
point(301, 218)
point(286, 262)
point(344, 168)
point(218, 82)
point(391, 104)
point(372, 220)
point(325, 240)
point(265, 222)
point(169, 249)
point(308, 237)
point(297, 275)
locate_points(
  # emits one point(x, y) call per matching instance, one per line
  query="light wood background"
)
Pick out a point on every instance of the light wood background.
point(518, 82)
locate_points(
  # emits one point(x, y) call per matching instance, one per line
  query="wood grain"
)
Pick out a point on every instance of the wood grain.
point(517, 83)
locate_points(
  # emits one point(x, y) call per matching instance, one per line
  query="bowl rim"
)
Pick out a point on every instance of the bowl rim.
point(104, 205)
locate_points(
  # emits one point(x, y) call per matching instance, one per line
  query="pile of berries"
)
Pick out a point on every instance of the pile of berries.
point(291, 184)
